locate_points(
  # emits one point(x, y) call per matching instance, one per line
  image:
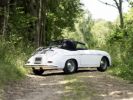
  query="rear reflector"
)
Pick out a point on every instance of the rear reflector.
point(50, 61)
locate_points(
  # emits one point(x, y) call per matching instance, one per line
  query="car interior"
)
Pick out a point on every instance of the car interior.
point(73, 45)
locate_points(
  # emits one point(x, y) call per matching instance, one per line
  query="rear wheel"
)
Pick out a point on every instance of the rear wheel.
point(70, 66)
point(38, 71)
point(103, 65)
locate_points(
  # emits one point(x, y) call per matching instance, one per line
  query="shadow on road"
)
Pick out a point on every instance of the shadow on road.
point(52, 73)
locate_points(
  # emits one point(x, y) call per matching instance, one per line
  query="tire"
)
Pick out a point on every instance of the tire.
point(70, 66)
point(38, 71)
point(103, 65)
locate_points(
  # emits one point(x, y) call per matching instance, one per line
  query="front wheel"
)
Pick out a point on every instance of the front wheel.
point(103, 65)
point(38, 71)
point(70, 66)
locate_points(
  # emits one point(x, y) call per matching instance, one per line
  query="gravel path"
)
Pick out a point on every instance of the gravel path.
point(84, 85)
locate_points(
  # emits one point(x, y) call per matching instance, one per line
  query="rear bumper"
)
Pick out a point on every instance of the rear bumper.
point(45, 67)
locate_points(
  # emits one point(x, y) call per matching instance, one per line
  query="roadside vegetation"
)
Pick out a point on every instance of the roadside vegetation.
point(12, 60)
point(119, 43)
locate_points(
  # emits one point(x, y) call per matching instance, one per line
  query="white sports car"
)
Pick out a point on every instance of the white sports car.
point(67, 55)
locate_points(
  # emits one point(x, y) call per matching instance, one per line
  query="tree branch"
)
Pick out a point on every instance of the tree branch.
point(117, 4)
point(107, 3)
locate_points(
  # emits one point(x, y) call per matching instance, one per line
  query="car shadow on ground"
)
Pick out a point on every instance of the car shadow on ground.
point(60, 72)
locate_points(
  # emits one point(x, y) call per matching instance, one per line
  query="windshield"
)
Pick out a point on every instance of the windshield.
point(81, 46)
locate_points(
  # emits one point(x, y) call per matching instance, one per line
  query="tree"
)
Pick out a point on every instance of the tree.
point(60, 15)
point(4, 13)
point(38, 21)
point(52, 17)
point(82, 31)
point(85, 25)
point(118, 5)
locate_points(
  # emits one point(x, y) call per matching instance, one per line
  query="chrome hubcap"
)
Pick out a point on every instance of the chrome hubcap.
point(71, 66)
point(103, 63)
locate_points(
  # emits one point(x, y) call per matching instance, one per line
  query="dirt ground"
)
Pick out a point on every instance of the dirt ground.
point(83, 85)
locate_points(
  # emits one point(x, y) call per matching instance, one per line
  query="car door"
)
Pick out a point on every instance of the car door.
point(89, 58)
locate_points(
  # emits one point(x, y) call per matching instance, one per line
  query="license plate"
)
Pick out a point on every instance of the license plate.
point(38, 60)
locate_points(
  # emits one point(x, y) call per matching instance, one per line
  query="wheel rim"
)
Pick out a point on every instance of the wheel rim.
point(103, 63)
point(71, 66)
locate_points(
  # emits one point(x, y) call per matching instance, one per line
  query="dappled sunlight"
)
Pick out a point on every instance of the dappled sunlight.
point(87, 76)
point(35, 76)
point(117, 93)
point(60, 92)
point(48, 84)
point(103, 95)
point(128, 98)
point(68, 81)
point(98, 86)
point(59, 83)
point(67, 90)
point(120, 95)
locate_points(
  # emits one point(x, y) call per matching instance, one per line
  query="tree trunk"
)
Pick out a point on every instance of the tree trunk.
point(121, 14)
point(119, 7)
point(43, 32)
point(3, 4)
point(6, 17)
point(121, 19)
point(39, 24)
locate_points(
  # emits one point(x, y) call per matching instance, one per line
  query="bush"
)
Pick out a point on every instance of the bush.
point(12, 60)
point(120, 46)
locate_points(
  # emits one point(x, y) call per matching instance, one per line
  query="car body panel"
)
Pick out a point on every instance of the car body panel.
point(57, 58)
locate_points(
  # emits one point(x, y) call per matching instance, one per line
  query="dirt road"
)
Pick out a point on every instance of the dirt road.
point(84, 85)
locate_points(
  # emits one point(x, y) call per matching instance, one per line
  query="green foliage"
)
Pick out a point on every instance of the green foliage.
point(20, 25)
point(85, 26)
point(20, 20)
point(82, 31)
point(101, 30)
point(60, 17)
point(12, 59)
point(118, 42)
point(121, 48)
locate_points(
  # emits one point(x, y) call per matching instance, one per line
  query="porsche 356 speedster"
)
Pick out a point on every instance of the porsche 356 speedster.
point(67, 55)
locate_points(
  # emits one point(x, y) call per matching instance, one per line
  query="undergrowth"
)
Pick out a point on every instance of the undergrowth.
point(12, 59)
point(122, 60)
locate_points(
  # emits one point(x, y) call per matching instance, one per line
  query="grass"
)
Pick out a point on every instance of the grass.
point(77, 89)
point(125, 72)
point(10, 72)
point(12, 59)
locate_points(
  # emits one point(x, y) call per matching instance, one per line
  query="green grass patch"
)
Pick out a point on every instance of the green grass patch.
point(125, 72)
point(77, 89)
point(12, 59)
point(10, 72)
